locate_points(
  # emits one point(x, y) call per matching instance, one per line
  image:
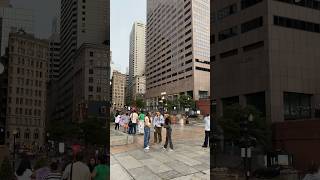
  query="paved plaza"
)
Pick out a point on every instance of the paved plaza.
point(188, 160)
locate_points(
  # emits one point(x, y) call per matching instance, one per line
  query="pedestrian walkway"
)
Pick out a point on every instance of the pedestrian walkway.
point(188, 160)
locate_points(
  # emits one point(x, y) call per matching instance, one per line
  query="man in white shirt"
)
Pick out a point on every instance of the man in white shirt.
point(77, 170)
point(206, 130)
point(134, 119)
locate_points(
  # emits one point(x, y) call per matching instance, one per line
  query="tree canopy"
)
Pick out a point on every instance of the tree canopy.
point(258, 129)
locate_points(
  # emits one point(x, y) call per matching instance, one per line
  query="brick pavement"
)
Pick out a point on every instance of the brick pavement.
point(188, 160)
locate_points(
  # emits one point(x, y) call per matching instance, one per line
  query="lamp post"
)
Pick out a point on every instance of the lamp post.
point(15, 132)
point(246, 150)
point(48, 147)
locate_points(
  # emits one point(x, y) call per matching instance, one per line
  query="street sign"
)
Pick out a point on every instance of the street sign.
point(61, 148)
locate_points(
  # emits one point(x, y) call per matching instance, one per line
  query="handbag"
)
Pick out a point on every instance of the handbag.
point(130, 123)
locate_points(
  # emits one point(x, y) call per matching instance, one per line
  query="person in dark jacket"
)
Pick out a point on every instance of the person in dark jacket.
point(167, 125)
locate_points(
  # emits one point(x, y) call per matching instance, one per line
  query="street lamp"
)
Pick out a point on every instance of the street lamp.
point(48, 147)
point(15, 132)
point(246, 146)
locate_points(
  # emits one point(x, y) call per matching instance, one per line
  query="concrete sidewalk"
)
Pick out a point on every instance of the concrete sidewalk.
point(188, 160)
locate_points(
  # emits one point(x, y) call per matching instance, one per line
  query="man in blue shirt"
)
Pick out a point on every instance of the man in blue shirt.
point(158, 122)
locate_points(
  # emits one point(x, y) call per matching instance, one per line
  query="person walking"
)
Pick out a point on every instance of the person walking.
point(168, 127)
point(117, 121)
point(141, 122)
point(77, 170)
point(24, 171)
point(101, 171)
point(157, 124)
point(147, 126)
point(206, 130)
point(54, 174)
point(134, 119)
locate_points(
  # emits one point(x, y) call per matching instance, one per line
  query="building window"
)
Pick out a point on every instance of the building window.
point(248, 3)
point(229, 101)
point(253, 46)
point(296, 24)
point(296, 106)
point(229, 53)
point(228, 33)
point(314, 4)
point(202, 69)
point(90, 88)
point(91, 54)
point(90, 71)
point(90, 79)
point(251, 25)
point(227, 11)
point(258, 101)
point(203, 94)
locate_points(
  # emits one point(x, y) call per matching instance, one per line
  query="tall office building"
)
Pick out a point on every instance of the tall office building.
point(82, 21)
point(54, 51)
point(266, 53)
point(178, 47)
point(118, 90)
point(91, 80)
point(137, 55)
point(11, 20)
point(26, 98)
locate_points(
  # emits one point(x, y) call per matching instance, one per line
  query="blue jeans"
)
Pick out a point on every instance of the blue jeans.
point(146, 137)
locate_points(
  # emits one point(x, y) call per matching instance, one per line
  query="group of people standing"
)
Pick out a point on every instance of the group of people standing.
point(75, 170)
point(142, 123)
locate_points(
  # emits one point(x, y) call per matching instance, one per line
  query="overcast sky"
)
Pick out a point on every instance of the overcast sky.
point(123, 14)
point(44, 12)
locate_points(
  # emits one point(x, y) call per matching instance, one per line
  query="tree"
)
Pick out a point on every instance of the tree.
point(258, 129)
point(6, 171)
point(93, 132)
point(186, 101)
point(171, 104)
point(140, 103)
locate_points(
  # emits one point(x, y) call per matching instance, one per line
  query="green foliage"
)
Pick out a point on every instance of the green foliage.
point(171, 104)
point(59, 130)
point(93, 132)
point(258, 128)
point(6, 171)
point(186, 101)
point(140, 103)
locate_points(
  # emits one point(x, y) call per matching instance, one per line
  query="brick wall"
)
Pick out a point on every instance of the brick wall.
point(204, 106)
point(301, 138)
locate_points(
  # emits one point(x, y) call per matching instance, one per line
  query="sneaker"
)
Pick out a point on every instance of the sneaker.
point(147, 148)
point(204, 146)
point(170, 150)
point(163, 148)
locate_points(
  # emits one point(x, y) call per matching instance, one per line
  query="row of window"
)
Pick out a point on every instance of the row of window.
point(169, 82)
point(21, 81)
point(26, 134)
point(313, 4)
point(295, 105)
point(296, 24)
point(234, 52)
point(27, 112)
point(28, 62)
point(29, 72)
point(26, 101)
point(28, 92)
point(245, 27)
